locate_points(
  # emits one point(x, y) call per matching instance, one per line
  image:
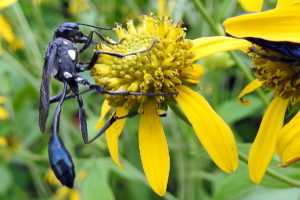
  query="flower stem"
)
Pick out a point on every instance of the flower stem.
point(14, 63)
point(214, 27)
point(273, 173)
point(34, 55)
point(249, 77)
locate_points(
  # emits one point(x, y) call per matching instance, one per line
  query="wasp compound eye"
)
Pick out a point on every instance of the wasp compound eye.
point(61, 161)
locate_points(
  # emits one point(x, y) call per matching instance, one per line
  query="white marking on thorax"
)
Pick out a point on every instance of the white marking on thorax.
point(79, 79)
point(65, 42)
point(72, 54)
point(67, 75)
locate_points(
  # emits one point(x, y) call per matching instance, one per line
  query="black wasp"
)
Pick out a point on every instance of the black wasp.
point(290, 50)
point(61, 61)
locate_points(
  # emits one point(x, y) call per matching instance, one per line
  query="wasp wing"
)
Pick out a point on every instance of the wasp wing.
point(288, 49)
point(50, 62)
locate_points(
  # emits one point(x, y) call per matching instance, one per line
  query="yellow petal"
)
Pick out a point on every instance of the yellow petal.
point(74, 195)
point(206, 46)
point(16, 44)
point(3, 114)
point(77, 6)
point(104, 110)
point(82, 174)
point(248, 89)
point(192, 74)
point(286, 3)
point(214, 134)
point(62, 193)
point(6, 30)
point(121, 33)
point(2, 99)
point(289, 142)
point(154, 149)
point(51, 178)
point(161, 7)
point(251, 5)
point(113, 133)
point(170, 7)
point(269, 25)
point(3, 141)
point(263, 148)
point(131, 28)
point(6, 3)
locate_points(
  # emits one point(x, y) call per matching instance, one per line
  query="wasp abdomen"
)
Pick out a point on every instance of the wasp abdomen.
point(61, 161)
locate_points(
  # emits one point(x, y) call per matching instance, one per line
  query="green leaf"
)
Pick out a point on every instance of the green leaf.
point(6, 179)
point(231, 111)
point(274, 194)
point(95, 185)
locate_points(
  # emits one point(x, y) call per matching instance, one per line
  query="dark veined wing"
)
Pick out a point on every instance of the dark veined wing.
point(288, 49)
point(50, 61)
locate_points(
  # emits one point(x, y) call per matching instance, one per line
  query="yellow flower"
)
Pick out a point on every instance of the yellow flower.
point(6, 3)
point(77, 6)
point(164, 8)
point(167, 67)
point(64, 192)
point(3, 114)
point(6, 30)
point(279, 25)
point(3, 141)
point(251, 5)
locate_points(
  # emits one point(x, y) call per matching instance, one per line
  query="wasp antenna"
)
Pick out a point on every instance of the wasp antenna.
point(98, 27)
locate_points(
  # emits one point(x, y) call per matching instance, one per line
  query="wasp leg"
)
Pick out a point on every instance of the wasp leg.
point(89, 40)
point(82, 115)
point(57, 97)
point(252, 49)
point(98, 27)
point(70, 96)
point(101, 90)
point(120, 55)
point(60, 159)
point(109, 123)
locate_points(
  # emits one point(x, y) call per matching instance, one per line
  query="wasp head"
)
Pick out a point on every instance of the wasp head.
point(68, 30)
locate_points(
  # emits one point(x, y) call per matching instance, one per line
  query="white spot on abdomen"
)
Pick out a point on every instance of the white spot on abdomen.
point(67, 75)
point(72, 54)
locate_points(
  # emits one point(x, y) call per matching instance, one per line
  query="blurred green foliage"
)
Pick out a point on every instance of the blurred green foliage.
point(24, 161)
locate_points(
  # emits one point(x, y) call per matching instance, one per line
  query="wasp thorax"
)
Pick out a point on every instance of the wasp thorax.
point(283, 77)
point(157, 70)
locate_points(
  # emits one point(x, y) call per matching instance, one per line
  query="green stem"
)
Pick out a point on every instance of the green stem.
point(33, 53)
point(215, 85)
point(250, 78)
point(274, 174)
point(39, 20)
point(200, 8)
point(20, 69)
point(40, 185)
point(179, 113)
point(180, 159)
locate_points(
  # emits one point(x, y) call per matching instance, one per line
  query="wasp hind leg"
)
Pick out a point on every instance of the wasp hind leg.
point(59, 157)
point(101, 90)
point(110, 122)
